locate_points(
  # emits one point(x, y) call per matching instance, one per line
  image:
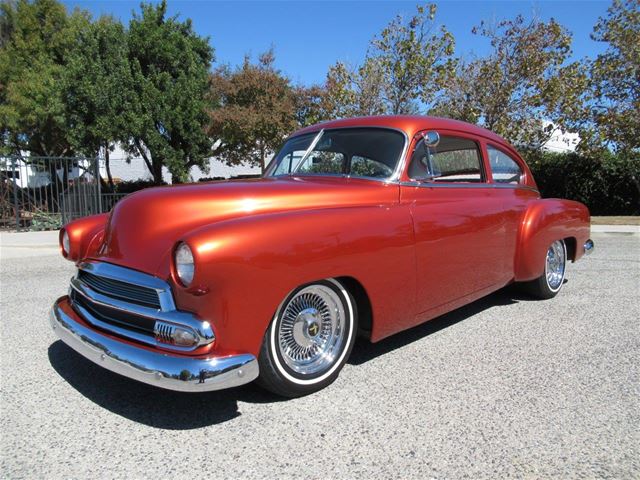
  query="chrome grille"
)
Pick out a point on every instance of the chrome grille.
point(121, 290)
point(113, 316)
point(133, 305)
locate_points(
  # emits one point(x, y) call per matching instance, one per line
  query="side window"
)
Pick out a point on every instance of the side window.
point(504, 168)
point(454, 159)
point(289, 162)
point(367, 167)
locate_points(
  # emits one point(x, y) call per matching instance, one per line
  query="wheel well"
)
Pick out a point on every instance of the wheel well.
point(363, 304)
point(571, 245)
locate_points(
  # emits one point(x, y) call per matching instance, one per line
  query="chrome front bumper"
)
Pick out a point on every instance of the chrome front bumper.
point(180, 373)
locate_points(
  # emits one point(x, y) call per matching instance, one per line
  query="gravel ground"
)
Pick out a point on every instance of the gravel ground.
point(505, 387)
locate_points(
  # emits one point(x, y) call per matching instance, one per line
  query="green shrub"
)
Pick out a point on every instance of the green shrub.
point(130, 186)
point(608, 184)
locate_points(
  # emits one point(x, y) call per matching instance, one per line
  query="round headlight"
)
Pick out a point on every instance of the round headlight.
point(65, 242)
point(184, 264)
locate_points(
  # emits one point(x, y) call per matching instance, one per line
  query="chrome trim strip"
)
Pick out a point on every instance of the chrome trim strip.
point(312, 145)
point(178, 373)
point(515, 187)
point(402, 162)
point(588, 247)
point(467, 185)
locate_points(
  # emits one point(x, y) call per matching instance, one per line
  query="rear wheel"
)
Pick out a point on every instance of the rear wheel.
point(550, 282)
point(309, 339)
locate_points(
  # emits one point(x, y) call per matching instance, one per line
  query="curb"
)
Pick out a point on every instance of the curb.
point(615, 229)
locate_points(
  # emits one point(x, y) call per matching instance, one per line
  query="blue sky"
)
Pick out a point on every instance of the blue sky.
point(309, 36)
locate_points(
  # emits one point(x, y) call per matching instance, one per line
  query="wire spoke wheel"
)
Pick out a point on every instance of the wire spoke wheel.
point(555, 265)
point(311, 333)
point(309, 339)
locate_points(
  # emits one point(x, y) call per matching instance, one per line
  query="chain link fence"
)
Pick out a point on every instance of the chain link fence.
point(43, 193)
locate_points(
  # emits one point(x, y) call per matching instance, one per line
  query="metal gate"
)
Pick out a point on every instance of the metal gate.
point(43, 193)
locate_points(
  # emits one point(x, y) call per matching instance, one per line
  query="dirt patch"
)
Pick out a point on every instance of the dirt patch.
point(615, 220)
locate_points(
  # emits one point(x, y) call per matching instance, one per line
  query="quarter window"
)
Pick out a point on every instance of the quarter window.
point(503, 168)
point(454, 159)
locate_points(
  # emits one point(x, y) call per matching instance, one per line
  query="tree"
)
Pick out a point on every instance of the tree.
point(405, 67)
point(414, 59)
point(33, 54)
point(309, 108)
point(253, 109)
point(98, 89)
point(616, 77)
point(341, 96)
point(523, 89)
point(170, 79)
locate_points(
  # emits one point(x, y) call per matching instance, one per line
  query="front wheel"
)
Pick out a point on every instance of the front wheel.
point(550, 282)
point(309, 339)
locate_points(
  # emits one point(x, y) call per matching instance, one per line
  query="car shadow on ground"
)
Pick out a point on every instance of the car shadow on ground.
point(147, 404)
point(363, 351)
point(170, 410)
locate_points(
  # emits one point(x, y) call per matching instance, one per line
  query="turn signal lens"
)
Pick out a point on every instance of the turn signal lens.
point(65, 243)
point(182, 337)
point(174, 335)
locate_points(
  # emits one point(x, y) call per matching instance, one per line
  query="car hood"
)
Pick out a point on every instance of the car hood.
point(144, 226)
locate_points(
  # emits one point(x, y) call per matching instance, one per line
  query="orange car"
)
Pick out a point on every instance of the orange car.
point(362, 226)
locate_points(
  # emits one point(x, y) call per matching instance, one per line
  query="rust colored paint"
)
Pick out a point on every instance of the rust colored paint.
point(419, 250)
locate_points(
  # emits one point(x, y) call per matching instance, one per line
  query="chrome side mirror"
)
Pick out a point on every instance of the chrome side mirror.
point(431, 138)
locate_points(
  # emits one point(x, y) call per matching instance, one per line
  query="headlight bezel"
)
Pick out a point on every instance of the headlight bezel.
point(182, 258)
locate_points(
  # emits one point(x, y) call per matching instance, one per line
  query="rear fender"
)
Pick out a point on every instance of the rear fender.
point(545, 221)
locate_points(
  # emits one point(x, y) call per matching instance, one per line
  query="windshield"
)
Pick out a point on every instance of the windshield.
point(355, 152)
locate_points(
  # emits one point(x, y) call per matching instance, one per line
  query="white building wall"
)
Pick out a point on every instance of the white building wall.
point(561, 141)
point(136, 169)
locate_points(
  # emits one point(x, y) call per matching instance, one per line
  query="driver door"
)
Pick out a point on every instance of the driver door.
point(458, 223)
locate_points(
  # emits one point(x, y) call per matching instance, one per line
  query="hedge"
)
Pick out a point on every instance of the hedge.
point(608, 184)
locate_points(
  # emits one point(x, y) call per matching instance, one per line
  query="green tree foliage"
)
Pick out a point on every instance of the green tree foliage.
point(253, 109)
point(36, 40)
point(170, 81)
point(521, 86)
point(98, 89)
point(607, 183)
point(309, 105)
point(408, 63)
point(616, 78)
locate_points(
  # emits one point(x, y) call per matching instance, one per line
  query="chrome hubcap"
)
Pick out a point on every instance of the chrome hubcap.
point(555, 265)
point(311, 333)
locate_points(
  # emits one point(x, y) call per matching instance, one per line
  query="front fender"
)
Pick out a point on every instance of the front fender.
point(85, 235)
point(545, 221)
point(248, 265)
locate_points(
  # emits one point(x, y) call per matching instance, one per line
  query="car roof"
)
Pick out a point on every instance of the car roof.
point(409, 124)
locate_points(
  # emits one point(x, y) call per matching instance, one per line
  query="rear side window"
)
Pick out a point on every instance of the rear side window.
point(504, 168)
point(454, 159)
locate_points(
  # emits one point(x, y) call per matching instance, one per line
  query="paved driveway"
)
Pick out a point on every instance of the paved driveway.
point(504, 387)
